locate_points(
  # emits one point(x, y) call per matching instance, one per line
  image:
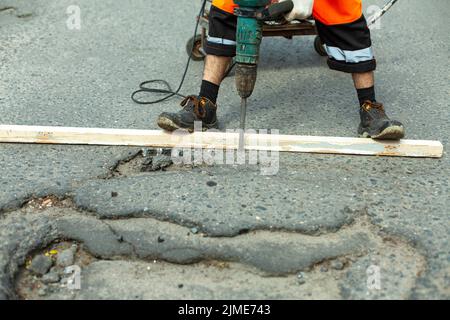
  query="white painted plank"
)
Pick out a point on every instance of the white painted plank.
point(220, 140)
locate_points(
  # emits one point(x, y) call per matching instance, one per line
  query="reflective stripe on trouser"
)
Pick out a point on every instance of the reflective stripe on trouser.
point(221, 39)
point(348, 45)
point(348, 56)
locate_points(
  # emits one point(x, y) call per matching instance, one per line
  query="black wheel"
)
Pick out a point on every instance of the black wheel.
point(318, 46)
point(195, 53)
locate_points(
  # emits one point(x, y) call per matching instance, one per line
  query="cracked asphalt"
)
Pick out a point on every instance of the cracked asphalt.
point(312, 231)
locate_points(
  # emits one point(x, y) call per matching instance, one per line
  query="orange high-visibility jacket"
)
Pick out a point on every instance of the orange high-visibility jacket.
point(328, 12)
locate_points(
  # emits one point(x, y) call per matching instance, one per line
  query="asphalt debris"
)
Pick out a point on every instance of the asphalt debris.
point(41, 264)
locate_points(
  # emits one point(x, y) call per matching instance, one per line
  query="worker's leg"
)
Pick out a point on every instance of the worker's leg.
point(346, 37)
point(220, 47)
point(221, 42)
point(215, 68)
point(363, 80)
point(365, 86)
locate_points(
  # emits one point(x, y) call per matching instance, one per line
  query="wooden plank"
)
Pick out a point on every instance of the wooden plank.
point(219, 140)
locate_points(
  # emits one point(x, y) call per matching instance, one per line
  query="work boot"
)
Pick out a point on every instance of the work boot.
point(375, 123)
point(195, 108)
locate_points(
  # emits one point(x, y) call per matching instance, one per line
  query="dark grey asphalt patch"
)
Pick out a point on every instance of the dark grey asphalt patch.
point(50, 169)
point(269, 254)
point(283, 253)
point(235, 203)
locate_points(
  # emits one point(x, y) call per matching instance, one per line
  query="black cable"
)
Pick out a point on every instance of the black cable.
point(169, 91)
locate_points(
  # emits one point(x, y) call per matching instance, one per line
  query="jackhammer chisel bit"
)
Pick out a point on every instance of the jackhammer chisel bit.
point(242, 127)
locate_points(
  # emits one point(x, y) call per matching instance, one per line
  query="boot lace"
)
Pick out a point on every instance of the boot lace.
point(193, 103)
point(374, 107)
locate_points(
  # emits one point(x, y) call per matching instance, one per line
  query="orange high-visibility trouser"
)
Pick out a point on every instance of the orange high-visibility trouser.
point(328, 12)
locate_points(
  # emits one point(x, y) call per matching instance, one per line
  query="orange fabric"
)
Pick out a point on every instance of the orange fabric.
point(225, 5)
point(326, 11)
point(331, 12)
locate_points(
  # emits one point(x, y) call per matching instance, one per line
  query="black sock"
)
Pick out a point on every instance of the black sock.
point(366, 94)
point(209, 90)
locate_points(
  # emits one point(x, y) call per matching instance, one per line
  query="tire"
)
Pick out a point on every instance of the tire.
point(318, 46)
point(195, 54)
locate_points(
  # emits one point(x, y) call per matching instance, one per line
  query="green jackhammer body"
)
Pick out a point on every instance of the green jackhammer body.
point(251, 14)
point(248, 41)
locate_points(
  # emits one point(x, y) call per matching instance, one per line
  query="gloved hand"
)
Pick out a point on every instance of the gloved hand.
point(302, 10)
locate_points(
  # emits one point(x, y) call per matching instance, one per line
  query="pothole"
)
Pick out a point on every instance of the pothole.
point(339, 261)
point(125, 279)
point(50, 201)
point(146, 160)
point(150, 160)
point(54, 269)
point(151, 254)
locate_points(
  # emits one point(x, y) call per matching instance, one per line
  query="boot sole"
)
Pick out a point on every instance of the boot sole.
point(169, 125)
point(390, 133)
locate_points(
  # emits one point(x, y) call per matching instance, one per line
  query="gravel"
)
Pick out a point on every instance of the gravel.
point(51, 277)
point(337, 265)
point(65, 258)
point(41, 264)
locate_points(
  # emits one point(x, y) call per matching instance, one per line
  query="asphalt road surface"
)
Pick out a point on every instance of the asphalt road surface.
point(324, 226)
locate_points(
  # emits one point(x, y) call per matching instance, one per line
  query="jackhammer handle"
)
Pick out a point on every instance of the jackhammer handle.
point(276, 10)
